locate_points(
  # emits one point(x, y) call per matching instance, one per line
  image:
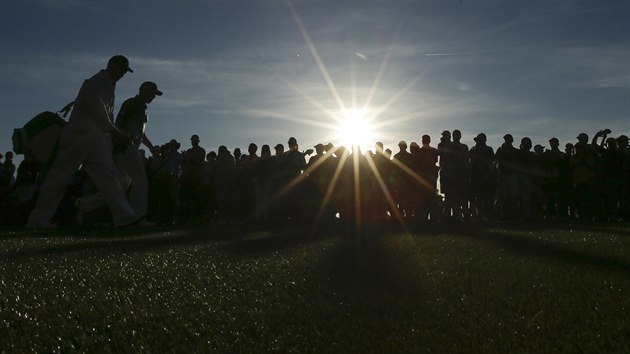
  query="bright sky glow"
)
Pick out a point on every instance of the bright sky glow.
point(355, 128)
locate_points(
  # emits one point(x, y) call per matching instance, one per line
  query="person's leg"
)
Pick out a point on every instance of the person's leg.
point(131, 162)
point(52, 191)
point(99, 165)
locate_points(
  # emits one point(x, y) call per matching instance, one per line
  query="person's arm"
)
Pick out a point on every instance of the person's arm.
point(148, 144)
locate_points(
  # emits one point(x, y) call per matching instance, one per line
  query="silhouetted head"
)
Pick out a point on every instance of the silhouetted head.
point(622, 141)
point(319, 148)
point(457, 135)
point(118, 66)
point(426, 140)
point(211, 156)
point(508, 138)
point(414, 147)
point(328, 147)
point(582, 138)
point(252, 149)
point(526, 143)
point(9, 155)
point(611, 143)
point(148, 90)
point(174, 145)
point(388, 153)
point(340, 151)
point(402, 145)
point(554, 143)
point(237, 153)
point(568, 148)
point(539, 149)
point(265, 151)
point(446, 136)
point(480, 138)
point(194, 140)
point(379, 147)
point(223, 150)
point(279, 149)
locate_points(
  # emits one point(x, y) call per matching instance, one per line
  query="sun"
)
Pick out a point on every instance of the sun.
point(355, 128)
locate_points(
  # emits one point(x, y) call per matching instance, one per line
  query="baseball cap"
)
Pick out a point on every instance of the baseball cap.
point(552, 140)
point(120, 61)
point(151, 86)
point(279, 146)
point(194, 137)
point(582, 136)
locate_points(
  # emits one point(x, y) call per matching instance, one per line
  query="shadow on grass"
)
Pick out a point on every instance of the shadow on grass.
point(112, 241)
point(505, 235)
point(546, 250)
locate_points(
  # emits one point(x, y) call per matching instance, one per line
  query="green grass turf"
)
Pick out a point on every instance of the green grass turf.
point(443, 288)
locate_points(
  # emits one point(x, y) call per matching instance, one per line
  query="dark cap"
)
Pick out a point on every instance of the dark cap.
point(120, 61)
point(194, 137)
point(292, 141)
point(150, 86)
point(622, 138)
point(582, 136)
point(319, 146)
point(278, 146)
point(508, 137)
point(554, 140)
point(480, 137)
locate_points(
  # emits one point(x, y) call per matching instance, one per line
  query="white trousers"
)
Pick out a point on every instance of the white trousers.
point(96, 157)
point(130, 170)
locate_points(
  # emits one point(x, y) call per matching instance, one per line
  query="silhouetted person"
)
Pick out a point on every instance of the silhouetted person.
point(556, 182)
point(262, 184)
point(383, 166)
point(402, 182)
point(483, 178)
point(224, 185)
point(208, 196)
point(456, 190)
point(506, 160)
point(193, 163)
point(624, 148)
point(525, 172)
point(7, 172)
point(584, 166)
point(86, 141)
point(609, 176)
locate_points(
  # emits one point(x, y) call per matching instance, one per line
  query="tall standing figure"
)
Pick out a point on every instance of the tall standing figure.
point(86, 140)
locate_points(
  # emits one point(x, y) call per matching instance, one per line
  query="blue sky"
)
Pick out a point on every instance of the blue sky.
point(237, 72)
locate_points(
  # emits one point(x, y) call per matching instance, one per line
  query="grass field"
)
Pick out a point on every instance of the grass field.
point(443, 288)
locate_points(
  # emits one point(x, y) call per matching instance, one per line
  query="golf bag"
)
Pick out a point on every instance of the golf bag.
point(39, 137)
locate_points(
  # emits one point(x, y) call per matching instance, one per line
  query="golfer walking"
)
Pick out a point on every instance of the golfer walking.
point(131, 121)
point(86, 140)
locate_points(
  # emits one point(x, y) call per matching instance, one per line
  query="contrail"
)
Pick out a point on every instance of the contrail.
point(439, 54)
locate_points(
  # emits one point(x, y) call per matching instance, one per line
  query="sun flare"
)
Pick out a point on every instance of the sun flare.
point(355, 129)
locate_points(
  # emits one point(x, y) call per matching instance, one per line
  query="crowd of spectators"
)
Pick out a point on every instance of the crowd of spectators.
point(586, 181)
